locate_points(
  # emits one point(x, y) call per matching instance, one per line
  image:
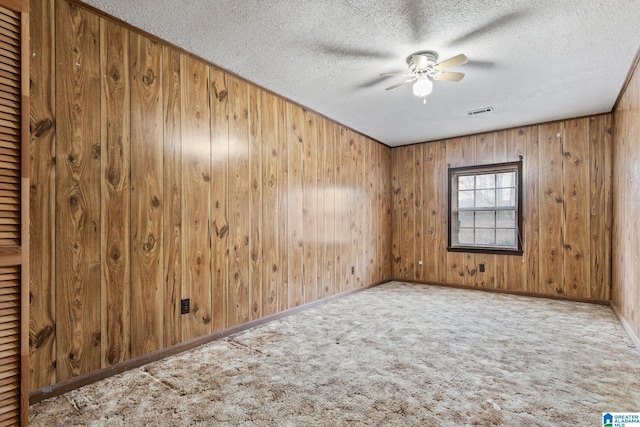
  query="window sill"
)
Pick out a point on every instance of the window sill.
point(478, 250)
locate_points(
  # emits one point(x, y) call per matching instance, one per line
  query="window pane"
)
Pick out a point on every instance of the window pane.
point(485, 181)
point(485, 237)
point(465, 236)
point(506, 197)
point(465, 182)
point(506, 219)
point(485, 198)
point(486, 219)
point(465, 219)
point(506, 179)
point(506, 237)
point(465, 199)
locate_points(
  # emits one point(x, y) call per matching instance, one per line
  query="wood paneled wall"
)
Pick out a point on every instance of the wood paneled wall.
point(625, 289)
point(159, 177)
point(567, 209)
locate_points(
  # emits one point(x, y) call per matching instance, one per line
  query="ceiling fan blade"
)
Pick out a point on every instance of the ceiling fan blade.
point(451, 76)
point(395, 74)
point(451, 62)
point(402, 83)
point(420, 61)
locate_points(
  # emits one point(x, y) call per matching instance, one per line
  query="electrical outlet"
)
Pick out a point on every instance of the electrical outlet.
point(481, 268)
point(353, 270)
point(184, 306)
point(420, 262)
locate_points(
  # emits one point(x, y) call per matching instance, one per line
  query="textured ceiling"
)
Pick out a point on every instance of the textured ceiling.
point(532, 61)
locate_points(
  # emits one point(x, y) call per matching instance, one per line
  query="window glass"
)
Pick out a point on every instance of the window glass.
point(485, 208)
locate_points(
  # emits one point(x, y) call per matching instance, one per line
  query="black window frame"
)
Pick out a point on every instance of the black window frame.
point(473, 170)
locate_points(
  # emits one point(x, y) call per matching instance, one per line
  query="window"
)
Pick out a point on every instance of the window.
point(485, 208)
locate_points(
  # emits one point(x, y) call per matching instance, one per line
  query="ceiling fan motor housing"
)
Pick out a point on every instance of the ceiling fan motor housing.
point(432, 60)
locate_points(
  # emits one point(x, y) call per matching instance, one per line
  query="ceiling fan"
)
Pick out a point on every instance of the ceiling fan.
point(423, 67)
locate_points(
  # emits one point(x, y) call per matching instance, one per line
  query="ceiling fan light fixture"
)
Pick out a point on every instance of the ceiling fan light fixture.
point(422, 87)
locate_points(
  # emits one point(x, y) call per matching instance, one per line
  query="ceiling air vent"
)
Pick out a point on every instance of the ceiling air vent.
point(480, 111)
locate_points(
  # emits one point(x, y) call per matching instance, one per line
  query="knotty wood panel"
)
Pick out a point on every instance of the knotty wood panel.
point(238, 297)
point(256, 165)
point(531, 209)
point(406, 211)
point(219, 101)
point(576, 167)
point(343, 216)
point(172, 208)
point(517, 139)
point(295, 254)
point(458, 154)
point(600, 197)
point(385, 208)
point(271, 176)
point(310, 206)
point(78, 177)
point(42, 370)
point(418, 211)
point(115, 132)
point(255, 203)
point(283, 203)
point(550, 176)
point(551, 249)
point(196, 197)
point(501, 263)
point(625, 290)
point(485, 154)
point(396, 208)
point(358, 212)
point(326, 176)
point(146, 195)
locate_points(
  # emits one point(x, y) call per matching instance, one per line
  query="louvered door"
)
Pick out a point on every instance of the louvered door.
point(14, 186)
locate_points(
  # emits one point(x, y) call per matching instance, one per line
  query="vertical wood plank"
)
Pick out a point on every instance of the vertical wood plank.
point(430, 213)
point(407, 212)
point(42, 304)
point(531, 206)
point(147, 297)
point(501, 262)
point(77, 192)
point(115, 132)
point(343, 231)
point(419, 211)
point(577, 208)
point(455, 260)
point(310, 207)
point(283, 204)
point(172, 190)
point(219, 103)
point(325, 208)
point(517, 139)
point(386, 221)
point(270, 206)
point(600, 213)
point(295, 153)
point(551, 251)
point(255, 203)
point(485, 154)
point(196, 196)
point(396, 209)
point(371, 232)
point(443, 212)
point(238, 309)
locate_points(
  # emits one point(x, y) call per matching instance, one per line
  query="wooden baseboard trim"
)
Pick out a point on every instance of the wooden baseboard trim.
point(626, 326)
point(509, 292)
point(91, 377)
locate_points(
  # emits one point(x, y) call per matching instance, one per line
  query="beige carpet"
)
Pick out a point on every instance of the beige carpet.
point(398, 355)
